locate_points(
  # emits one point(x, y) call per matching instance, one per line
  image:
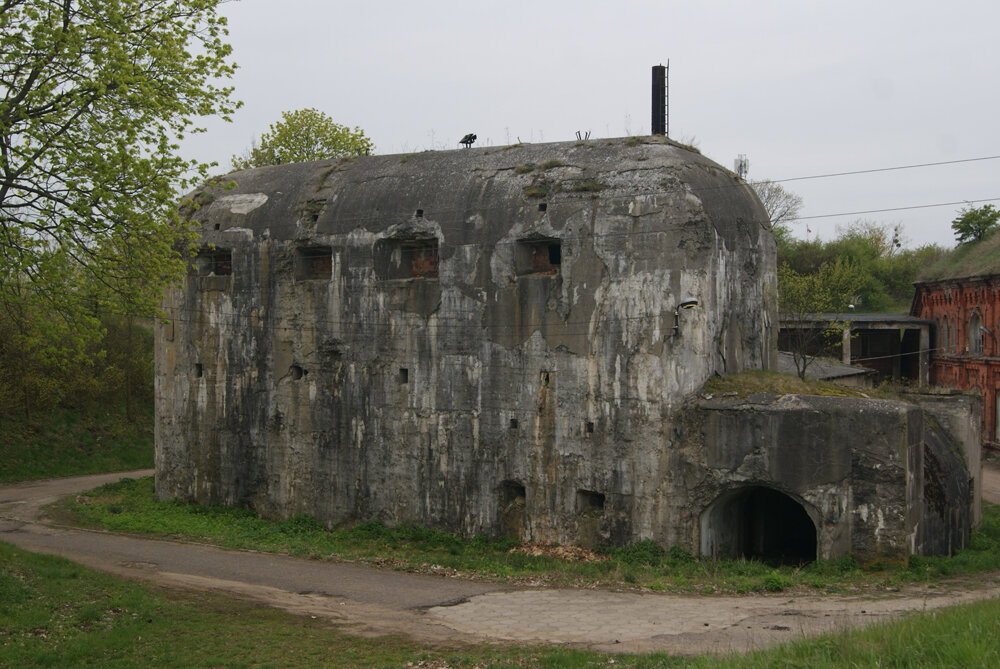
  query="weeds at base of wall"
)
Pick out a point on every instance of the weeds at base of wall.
point(130, 506)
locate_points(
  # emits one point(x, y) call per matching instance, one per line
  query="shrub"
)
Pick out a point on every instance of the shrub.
point(776, 582)
point(646, 552)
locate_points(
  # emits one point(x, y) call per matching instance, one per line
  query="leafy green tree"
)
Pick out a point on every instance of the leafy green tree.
point(972, 223)
point(94, 96)
point(888, 268)
point(303, 135)
point(803, 299)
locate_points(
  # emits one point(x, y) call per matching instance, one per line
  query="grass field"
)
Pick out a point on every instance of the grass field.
point(54, 613)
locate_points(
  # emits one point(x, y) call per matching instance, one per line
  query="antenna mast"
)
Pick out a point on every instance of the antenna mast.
point(742, 166)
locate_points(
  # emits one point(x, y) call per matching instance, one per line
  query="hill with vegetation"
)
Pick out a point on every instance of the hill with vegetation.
point(85, 413)
point(980, 258)
point(875, 272)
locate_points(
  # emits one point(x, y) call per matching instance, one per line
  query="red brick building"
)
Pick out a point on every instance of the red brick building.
point(966, 351)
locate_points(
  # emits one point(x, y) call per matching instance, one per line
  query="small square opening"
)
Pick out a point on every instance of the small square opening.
point(313, 263)
point(512, 493)
point(214, 262)
point(538, 256)
point(589, 503)
point(588, 428)
point(407, 258)
point(199, 371)
point(513, 425)
point(404, 375)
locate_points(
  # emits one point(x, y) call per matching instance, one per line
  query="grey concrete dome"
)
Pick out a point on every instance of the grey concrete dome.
point(432, 337)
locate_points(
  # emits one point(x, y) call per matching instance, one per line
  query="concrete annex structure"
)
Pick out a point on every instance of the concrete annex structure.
point(508, 340)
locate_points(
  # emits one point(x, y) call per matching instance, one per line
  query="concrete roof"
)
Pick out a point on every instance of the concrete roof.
point(480, 193)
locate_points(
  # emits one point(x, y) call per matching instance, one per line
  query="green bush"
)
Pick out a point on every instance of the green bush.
point(646, 552)
point(776, 582)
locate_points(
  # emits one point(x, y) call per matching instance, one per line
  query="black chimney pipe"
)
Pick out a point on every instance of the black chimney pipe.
point(659, 100)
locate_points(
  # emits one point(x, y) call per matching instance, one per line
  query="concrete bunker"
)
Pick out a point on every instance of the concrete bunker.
point(758, 522)
point(411, 340)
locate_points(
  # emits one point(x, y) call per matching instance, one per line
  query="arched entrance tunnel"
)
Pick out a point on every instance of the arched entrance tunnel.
point(761, 523)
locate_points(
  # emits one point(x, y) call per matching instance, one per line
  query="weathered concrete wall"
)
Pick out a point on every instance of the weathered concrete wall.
point(878, 479)
point(380, 390)
point(492, 340)
point(947, 512)
point(960, 415)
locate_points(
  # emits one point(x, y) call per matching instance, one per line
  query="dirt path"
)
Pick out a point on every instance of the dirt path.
point(453, 611)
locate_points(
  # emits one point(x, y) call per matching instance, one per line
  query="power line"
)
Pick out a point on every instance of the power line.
point(882, 211)
point(884, 169)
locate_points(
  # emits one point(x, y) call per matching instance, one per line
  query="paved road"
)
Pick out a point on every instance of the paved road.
point(448, 610)
point(341, 590)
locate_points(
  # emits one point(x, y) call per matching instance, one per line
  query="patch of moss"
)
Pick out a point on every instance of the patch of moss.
point(536, 190)
point(549, 164)
point(189, 206)
point(754, 381)
point(524, 169)
point(313, 207)
point(586, 187)
point(324, 175)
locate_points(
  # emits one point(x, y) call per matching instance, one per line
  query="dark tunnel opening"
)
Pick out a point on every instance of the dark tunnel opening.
point(758, 523)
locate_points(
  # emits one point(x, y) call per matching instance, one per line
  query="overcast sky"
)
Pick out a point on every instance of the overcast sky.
point(802, 88)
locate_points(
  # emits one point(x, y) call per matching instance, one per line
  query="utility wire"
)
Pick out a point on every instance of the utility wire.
point(883, 169)
point(881, 211)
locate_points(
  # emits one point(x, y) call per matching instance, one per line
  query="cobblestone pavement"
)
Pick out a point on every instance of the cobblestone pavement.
point(630, 622)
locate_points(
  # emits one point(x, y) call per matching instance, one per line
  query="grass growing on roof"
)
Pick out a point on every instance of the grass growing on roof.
point(753, 381)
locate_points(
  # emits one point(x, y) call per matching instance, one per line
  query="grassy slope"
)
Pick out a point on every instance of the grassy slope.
point(56, 613)
point(68, 443)
point(971, 259)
